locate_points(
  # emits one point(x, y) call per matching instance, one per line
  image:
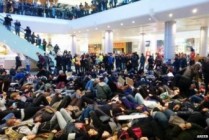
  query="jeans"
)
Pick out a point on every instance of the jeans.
point(1, 8)
point(28, 68)
point(7, 117)
point(62, 117)
point(8, 27)
point(85, 114)
point(129, 102)
point(41, 99)
point(140, 100)
point(163, 117)
point(196, 98)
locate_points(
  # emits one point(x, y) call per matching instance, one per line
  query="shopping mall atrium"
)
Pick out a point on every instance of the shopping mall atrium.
point(104, 69)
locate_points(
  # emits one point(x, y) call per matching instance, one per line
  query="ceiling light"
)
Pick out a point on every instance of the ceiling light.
point(194, 11)
point(133, 21)
point(108, 26)
point(79, 31)
point(74, 32)
point(150, 19)
point(87, 30)
point(96, 28)
point(170, 15)
point(121, 24)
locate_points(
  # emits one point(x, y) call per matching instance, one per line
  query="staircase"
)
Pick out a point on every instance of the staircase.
point(18, 44)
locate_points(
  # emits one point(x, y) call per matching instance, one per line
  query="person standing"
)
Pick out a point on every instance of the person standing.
point(41, 61)
point(27, 33)
point(56, 49)
point(27, 64)
point(44, 43)
point(38, 41)
point(46, 57)
point(205, 71)
point(142, 62)
point(69, 61)
point(18, 62)
point(8, 22)
point(17, 27)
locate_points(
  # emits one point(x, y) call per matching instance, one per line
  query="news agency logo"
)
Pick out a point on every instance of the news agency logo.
point(202, 136)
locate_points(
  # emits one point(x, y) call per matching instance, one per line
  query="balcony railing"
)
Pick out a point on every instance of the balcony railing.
point(59, 11)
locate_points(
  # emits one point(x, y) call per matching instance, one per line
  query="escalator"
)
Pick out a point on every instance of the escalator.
point(19, 44)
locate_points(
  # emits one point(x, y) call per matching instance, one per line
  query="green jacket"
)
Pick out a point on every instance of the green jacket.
point(103, 91)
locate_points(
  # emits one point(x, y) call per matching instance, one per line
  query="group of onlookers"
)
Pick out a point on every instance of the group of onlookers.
point(59, 10)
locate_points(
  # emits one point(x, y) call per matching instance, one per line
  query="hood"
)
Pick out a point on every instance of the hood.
point(102, 83)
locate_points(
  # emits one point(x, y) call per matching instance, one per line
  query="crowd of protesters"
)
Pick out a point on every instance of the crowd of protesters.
point(110, 96)
point(62, 11)
point(105, 96)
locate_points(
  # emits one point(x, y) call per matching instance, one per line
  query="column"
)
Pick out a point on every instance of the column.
point(73, 44)
point(103, 45)
point(203, 51)
point(83, 46)
point(141, 46)
point(169, 40)
point(108, 42)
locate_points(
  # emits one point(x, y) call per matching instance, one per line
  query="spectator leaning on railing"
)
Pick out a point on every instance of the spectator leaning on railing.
point(17, 27)
point(8, 22)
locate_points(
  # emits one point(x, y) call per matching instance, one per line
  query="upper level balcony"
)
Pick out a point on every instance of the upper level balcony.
point(138, 12)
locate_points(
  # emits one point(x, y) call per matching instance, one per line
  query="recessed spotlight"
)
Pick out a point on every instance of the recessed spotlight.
point(121, 24)
point(194, 11)
point(108, 26)
point(133, 21)
point(170, 15)
point(150, 19)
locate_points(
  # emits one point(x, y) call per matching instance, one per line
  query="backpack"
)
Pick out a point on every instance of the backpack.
point(12, 134)
point(45, 113)
point(44, 136)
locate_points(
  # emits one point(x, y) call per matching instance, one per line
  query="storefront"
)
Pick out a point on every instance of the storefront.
point(95, 48)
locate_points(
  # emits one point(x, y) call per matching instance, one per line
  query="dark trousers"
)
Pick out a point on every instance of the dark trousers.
point(65, 102)
point(98, 123)
point(29, 112)
point(41, 99)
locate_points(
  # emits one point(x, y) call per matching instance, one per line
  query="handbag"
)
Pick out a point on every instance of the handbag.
point(44, 136)
point(12, 134)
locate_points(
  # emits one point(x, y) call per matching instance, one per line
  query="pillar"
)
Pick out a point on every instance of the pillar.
point(108, 42)
point(83, 45)
point(169, 40)
point(103, 45)
point(203, 51)
point(73, 44)
point(141, 46)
